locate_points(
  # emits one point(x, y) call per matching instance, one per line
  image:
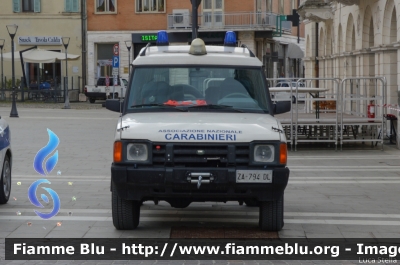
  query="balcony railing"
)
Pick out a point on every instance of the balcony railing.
point(225, 21)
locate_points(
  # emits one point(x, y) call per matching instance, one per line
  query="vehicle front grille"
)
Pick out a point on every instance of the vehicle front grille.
point(200, 155)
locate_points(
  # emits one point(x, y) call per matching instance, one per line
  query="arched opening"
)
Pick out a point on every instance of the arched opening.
point(340, 50)
point(349, 33)
point(366, 27)
point(328, 50)
point(308, 64)
point(321, 48)
point(393, 27)
point(389, 37)
point(321, 52)
point(328, 46)
point(350, 64)
point(340, 40)
point(389, 31)
point(368, 41)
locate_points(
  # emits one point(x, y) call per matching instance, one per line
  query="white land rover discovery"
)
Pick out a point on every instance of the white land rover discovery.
point(197, 125)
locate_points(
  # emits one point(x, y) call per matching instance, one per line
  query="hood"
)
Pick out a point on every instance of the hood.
point(199, 127)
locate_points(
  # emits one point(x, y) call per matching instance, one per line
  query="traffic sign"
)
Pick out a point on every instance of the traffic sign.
point(116, 49)
point(115, 62)
point(115, 71)
point(115, 80)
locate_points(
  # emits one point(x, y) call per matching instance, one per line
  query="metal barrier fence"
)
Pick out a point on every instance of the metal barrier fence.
point(319, 123)
point(335, 109)
point(361, 95)
point(44, 91)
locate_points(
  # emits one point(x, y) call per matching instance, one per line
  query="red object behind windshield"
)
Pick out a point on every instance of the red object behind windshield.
point(198, 102)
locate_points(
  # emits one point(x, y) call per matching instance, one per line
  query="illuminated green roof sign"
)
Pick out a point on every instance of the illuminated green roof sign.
point(149, 37)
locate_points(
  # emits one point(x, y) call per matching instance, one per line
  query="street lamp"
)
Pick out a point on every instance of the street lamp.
point(2, 76)
point(12, 30)
point(128, 44)
point(65, 41)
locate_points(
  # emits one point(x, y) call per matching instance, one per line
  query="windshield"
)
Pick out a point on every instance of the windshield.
point(198, 89)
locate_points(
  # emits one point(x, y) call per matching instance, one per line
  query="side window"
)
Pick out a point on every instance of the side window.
point(71, 5)
point(106, 6)
point(285, 85)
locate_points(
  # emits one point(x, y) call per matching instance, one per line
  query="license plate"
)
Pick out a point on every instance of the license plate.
point(254, 176)
point(96, 89)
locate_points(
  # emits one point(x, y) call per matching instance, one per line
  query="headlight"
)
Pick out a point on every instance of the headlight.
point(264, 153)
point(137, 152)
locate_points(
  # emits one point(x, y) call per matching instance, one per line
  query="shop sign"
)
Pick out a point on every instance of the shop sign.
point(39, 40)
point(149, 37)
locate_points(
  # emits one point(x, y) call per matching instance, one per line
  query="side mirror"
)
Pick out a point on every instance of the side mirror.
point(282, 107)
point(114, 104)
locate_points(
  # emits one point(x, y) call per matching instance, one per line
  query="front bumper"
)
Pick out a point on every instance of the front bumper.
point(168, 183)
point(96, 95)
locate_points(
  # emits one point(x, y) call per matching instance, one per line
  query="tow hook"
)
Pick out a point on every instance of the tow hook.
point(200, 178)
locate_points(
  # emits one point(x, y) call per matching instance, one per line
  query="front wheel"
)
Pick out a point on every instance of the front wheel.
point(271, 215)
point(5, 181)
point(125, 213)
point(92, 100)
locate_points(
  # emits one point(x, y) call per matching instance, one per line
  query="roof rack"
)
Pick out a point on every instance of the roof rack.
point(251, 53)
point(143, 53)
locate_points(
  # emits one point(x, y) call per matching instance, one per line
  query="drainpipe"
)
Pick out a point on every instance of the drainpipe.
point(298, 27)
point(298, 41)
point(83, 31)
point(316, 54)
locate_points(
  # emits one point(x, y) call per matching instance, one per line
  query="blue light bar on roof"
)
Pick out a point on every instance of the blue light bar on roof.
point(162, 38)
point(230, 39)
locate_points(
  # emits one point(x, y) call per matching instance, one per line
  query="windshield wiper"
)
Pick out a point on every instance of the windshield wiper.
point(214, 106)
point(157, 105)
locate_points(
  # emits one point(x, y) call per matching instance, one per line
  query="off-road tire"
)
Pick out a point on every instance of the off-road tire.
point(5, 181)
point(92, 100)
point(271, 215)
point(125, 213)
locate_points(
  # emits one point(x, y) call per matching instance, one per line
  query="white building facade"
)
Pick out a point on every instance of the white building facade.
point(354, 38)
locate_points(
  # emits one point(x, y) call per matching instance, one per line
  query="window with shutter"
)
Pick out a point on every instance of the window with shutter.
point(16, 6)
point(27, 5)
point(71, 5)
point(36, 6)
point(75, 6)
point(68, 5)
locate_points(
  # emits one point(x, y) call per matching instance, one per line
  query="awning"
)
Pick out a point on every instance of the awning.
point(294, 51)
point(39, 56)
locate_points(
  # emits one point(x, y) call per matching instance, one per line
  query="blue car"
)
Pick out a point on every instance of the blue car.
point(6, 161)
